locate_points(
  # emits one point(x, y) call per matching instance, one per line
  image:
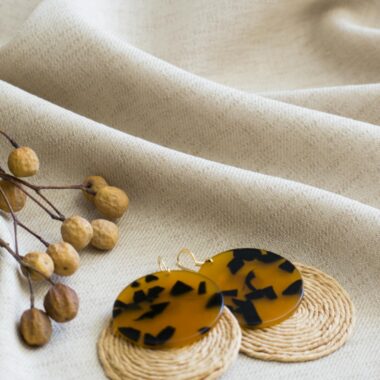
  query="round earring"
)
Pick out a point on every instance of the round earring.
point(260, 287)
point(167, 308)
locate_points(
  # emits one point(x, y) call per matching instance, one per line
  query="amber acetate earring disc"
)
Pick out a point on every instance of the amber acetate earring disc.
point(167, 309)
point(260, 287)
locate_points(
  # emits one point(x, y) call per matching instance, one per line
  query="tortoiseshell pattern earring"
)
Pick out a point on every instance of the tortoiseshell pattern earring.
point(167, 309)
point(260, 287)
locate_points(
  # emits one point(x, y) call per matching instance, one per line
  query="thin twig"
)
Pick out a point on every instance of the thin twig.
point(40, 238)
point(20, 260)
point(17, 253)
point(58, 187)
point(17, 222)
point(38, 188)
point(65, 187)
point(17, 181)
point(15, 145)
point(60, 217)
point(83, 187)
point(5, 245)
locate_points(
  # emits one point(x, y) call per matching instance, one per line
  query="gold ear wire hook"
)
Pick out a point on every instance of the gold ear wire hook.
point(162, 265)
point(186, 251)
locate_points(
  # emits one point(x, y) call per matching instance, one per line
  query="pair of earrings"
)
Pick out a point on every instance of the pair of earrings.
point(173, 308)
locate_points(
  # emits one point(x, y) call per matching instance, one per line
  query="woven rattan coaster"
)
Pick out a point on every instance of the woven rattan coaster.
point(322, 324)
point(206, 359)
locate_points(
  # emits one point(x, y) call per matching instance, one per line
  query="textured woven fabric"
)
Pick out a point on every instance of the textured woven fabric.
point(229, 124)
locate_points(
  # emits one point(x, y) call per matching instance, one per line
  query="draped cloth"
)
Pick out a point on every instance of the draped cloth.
point(229, 124)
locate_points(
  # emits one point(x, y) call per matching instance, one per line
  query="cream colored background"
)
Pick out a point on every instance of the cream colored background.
point(229, 123)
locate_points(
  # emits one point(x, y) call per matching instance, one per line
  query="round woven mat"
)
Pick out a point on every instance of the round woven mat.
point(207, 358)
point(322, 324)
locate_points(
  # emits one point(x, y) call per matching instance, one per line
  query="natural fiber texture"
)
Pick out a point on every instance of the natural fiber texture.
point(322, 324)
point(230, 123)
point(208, 358)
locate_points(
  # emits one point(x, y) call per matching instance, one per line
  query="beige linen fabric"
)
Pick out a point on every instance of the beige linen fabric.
point(229, 124)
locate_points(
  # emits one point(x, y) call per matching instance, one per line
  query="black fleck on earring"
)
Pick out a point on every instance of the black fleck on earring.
point(260, 287)
point(167, 309)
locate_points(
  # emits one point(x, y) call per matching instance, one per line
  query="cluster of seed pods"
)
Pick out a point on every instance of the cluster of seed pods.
point(61, 303)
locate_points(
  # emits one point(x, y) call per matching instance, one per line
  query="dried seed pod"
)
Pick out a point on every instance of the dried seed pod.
point(15, 195)
point(95, 183)
point(40, 261)
point(106, 234)
point(35, 327)
point(61, 303)
point(111, 201)
point(23, 162)
point(65, 257)
point(77, 231)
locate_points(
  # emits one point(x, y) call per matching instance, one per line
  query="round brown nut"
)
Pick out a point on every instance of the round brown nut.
point(61, 303)
point(40, 261)
point(23, 162)
point(35, 327)
point(65, 257)
point(77, 231)
point(111, 201)
point(15, 195)
point(106, 234)
point(94, 183)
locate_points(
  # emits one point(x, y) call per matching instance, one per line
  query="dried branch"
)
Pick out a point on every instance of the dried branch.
point(14, 144)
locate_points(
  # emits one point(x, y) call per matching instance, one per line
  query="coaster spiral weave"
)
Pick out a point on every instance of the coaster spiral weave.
point(207, 358)
point(322, 323)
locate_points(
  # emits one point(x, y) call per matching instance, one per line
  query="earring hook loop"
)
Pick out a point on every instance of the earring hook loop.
point(162, 265)
point(188, 252)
